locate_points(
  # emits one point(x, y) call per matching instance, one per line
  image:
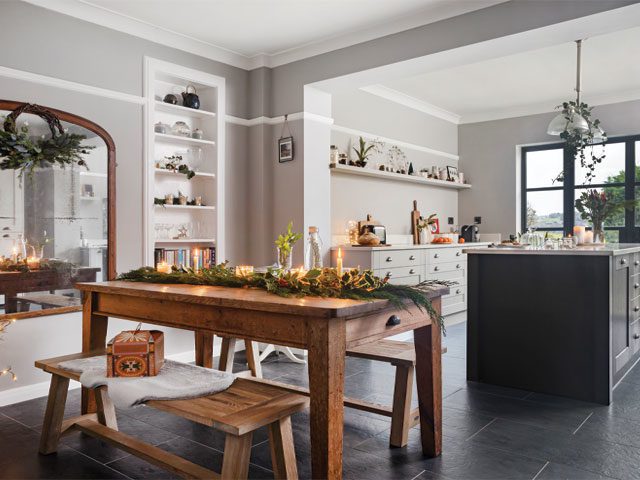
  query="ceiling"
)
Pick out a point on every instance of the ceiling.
point(525, 83)
point(271, 31)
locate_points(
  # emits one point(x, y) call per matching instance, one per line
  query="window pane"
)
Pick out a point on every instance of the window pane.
point(544, 209)
point(612, 236)
point(543, 167)
point(616, 194)
point(611, 170)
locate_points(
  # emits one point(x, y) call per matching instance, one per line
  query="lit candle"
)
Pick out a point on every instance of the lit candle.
point(33, 263)
point(195, 260)
point(300, 271)
point(244, 270)
point(163, 267)
point(14, 254)
point(587, 237)
point(339, 263)
point(578, 231)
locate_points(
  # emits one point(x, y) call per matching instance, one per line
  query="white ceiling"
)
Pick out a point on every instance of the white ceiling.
point(529, 82)
point(271, 32)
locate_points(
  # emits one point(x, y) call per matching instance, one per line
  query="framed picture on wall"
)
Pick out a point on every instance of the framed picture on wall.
point(452, 173)
point(285, 149)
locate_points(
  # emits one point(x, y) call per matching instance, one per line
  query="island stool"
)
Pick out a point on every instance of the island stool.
point(238, 411)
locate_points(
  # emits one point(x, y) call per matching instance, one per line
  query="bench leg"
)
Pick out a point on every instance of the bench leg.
point(253, 358)
point(106, 410)
point(401, 411)
point(283, 454)
point(227, 352)
point(237, 452)
point(54, 414)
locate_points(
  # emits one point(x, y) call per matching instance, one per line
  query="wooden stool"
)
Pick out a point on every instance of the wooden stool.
point(403, 356)
point(238, 411)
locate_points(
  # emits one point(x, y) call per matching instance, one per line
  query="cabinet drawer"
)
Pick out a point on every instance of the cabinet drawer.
point(443, 255)
point(455, 276)
point(456, 290)
point(447, 267)
point(397, 258)
point(399, 272)
point(453, 304)
point(634, 287)
point(622, 261)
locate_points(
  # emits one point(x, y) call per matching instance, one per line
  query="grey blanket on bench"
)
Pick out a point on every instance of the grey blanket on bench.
point(175, 381)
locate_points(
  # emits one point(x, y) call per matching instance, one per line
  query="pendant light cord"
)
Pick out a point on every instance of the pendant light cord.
point(578, 70)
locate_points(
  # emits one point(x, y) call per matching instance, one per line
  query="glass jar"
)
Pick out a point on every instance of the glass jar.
point(333, 156)
point(285, 257)
point(181, 129)
point(313, 252)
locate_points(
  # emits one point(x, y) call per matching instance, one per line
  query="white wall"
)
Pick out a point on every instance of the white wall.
point(390, 202)
point(488, 154)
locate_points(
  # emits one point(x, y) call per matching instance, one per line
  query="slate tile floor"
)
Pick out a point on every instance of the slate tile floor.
point(489, 433)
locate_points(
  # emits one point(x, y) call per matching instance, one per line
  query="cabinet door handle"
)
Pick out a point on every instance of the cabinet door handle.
point(458, 266)
point(636, 309)
point(389, 259)
point(393, 321)
point(623, 261)
point(412, 271)
point(458, 254)
point(636, 336)
point(389, 275)
point(435, 269)
point(636, 263)
point(637, 285)
point(412, 257)
point(457, 291)
point(436, 255)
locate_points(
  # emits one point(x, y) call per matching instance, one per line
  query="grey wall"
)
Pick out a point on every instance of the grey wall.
point(488, 152)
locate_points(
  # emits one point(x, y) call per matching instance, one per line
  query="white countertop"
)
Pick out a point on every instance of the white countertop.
point(470, 246)
point(609, 249)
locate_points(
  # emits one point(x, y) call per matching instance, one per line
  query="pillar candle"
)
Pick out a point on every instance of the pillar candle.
point(163, 267)
point(339, 263)
point(587, 237)
point(578, 231)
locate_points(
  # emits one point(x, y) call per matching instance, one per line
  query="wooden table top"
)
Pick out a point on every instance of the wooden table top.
point(245, 298)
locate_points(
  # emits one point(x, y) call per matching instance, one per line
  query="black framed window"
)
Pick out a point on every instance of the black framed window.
point(549, 205)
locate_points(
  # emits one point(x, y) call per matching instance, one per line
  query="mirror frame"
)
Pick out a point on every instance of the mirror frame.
point(9, 105)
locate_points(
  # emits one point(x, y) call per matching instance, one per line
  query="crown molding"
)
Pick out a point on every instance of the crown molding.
point(412, 102)
point(548, 107)
point(104, 17)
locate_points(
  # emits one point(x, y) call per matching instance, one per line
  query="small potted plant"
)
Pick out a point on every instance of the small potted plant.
point(596, 207)
point(363, 152)
point(424, 228)
point(284, 244)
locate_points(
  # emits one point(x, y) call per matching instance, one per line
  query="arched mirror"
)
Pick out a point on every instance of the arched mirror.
point(57, 209)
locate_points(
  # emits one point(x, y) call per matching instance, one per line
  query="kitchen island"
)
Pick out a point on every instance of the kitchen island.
point(561, 322)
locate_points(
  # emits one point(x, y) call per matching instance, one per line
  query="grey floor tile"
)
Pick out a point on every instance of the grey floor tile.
point(558, 471)
point(612, 429)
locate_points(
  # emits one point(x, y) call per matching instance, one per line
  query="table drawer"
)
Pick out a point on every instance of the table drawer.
point(399, 272)
point(397, 258)
point(447, 267)
point(443, 255)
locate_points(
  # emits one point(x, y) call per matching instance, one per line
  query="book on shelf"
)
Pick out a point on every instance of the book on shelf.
point(186, 257)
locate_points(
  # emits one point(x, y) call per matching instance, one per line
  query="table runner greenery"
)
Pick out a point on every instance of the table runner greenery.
point(352, 284)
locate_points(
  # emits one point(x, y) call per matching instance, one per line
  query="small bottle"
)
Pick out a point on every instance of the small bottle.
point(313, 252)
point(333, 156)
point(22, 247)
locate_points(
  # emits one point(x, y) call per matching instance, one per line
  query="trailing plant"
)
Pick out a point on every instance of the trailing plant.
point(285, 243)
point(352, 284)
point(581, 145)
point(362, 152)
point(174, 163)
point(23, 152)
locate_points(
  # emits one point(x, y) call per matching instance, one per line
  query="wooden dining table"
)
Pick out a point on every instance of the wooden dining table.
point(326, 327)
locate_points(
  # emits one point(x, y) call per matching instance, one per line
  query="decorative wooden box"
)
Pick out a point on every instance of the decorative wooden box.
point(135, 353)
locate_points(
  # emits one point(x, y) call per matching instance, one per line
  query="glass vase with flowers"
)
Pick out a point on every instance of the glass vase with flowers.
point(597, 206)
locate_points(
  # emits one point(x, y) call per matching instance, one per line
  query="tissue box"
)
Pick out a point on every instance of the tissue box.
point(135, 353)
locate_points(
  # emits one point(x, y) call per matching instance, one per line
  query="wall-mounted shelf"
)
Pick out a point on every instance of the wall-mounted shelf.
point(187, 207)
point(164, 171)
point(164, 137)
point(182, 111)
point(369, 172)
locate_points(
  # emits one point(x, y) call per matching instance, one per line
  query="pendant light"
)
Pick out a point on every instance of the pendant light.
point(570, 119)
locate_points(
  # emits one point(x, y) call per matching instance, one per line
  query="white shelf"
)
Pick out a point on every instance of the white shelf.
point(164, 137)
point(93, 174)
point(399, 177)
point(90, 199)
point(164, 171)
point(180, 110)
point(187, 207)
point(185, 240)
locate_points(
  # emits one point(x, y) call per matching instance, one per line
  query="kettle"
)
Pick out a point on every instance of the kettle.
point(189, 98)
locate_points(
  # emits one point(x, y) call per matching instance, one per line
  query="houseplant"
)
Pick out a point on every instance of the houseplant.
point(284, 244)
point(362, 152)
point(596, 207)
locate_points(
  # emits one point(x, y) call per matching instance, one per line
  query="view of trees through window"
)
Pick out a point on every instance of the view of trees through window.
point(548, 205)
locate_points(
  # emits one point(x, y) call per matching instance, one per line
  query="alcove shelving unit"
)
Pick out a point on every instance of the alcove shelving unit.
point(206, 156)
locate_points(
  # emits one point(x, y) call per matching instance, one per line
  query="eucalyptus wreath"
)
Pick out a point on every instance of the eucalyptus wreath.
point(23, 152)
point(325, 282)
point(579, 144)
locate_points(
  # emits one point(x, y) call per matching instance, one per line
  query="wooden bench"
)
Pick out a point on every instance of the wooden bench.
point(238, 411)
point(400, 354)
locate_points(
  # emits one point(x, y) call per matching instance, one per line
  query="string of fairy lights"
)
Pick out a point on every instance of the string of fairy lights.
point(7, 370)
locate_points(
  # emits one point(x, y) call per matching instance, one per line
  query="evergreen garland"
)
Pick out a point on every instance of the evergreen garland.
point(353, 284)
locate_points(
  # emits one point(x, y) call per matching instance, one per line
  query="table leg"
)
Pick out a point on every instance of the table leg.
point(94, 337)
point(326, 341)
point(204, 349)
point(429, 383)
point(10, 302)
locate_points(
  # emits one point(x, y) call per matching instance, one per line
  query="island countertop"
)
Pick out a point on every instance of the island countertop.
point(403, 246)
point(610, 249)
